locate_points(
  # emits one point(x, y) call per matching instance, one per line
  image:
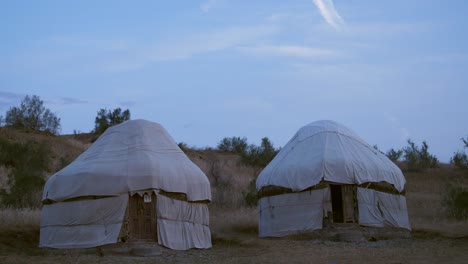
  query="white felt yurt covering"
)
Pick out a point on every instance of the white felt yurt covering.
point(327, 152)
point(85, 203)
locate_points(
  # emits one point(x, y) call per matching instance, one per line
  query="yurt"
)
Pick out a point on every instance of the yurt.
point(327, 175)
point(133, 184)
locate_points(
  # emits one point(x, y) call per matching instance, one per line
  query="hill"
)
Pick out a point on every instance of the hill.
point(436, 235)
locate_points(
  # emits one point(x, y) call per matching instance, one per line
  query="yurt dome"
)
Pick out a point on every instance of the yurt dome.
point(132, 184)
point(327, 171)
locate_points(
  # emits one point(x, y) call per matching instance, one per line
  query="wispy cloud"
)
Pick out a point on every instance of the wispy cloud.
point(329, 13)
point(66, 101)
point(10, 96)
point(70, 100)
point(181, 48)
point(8, 99)
point(211, 42)
point(209, 5)
point(128, 103)
point(289, 51)
point(395, 122)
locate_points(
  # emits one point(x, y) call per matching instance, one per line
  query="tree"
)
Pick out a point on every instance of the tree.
point(465, 141)
point(460, 159)
point(107, 118)
point(259, 156)
point(394, 155)
point(31, 114)
point(233, 144)
point(418, 159)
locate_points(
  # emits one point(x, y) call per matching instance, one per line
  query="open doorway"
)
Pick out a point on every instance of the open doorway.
point(343, 203)
point(142, 218)
point(337, 203)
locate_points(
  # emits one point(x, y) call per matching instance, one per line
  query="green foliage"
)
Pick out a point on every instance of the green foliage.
point(460, 159)
point(31, 114)
point(259, 156)
point(107, 118)
point(183, 146)
point(250, 197)
point(456, 201)
point(27, 162)
point(64, 162)
point(418, 159)
point(465, 141)
point(394, 155)
point(251, 155)
point(233, 144)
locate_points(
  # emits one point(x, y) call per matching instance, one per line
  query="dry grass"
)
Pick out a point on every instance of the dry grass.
point(225, 221)
point(425, 199)
point(235, 228)
point(12, 219)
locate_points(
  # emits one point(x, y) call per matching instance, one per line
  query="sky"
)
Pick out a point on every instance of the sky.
point(209, 69)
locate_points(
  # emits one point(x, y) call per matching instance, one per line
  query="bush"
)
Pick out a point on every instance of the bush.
point(460, 159)
point(465, 141)
point(259, 156)
point(250, 197)
point(107, 118)
point(32, 114)
point(394, 155)
point(418, 159)
point(456, 201)
point(183, 146)
point(233, 144)
point(27, 162)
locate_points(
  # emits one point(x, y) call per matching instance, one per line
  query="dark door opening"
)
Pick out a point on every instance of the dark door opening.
point(142, 218)
point(337, 203)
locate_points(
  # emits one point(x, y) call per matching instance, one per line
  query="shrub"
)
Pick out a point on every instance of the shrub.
point(183, 146)
point(259, 156)
point(27, 162)
point(32, 114)
point(456, 201)
point(233, 144)
point(394, 155)
point(107, 118)
point(418, 159)
point(465, 141)
point(250, 196)
point(460, 159)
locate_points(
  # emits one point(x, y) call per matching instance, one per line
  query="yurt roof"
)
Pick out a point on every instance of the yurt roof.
point(130, 157)
point(328, 151)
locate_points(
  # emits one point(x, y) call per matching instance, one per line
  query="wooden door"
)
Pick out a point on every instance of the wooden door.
point(142, 218)
point(348, 203)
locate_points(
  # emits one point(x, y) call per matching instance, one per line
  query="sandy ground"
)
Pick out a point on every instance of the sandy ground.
point(247, 248)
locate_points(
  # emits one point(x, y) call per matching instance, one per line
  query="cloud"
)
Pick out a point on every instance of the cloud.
point(210, 42)
point(128, 103)
point(209, 5)
point(69, 100)
point(8, 99)
point(9, 96)
point(289, 51)
point(403, 131)
point(66, 101)
point(329, 13)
